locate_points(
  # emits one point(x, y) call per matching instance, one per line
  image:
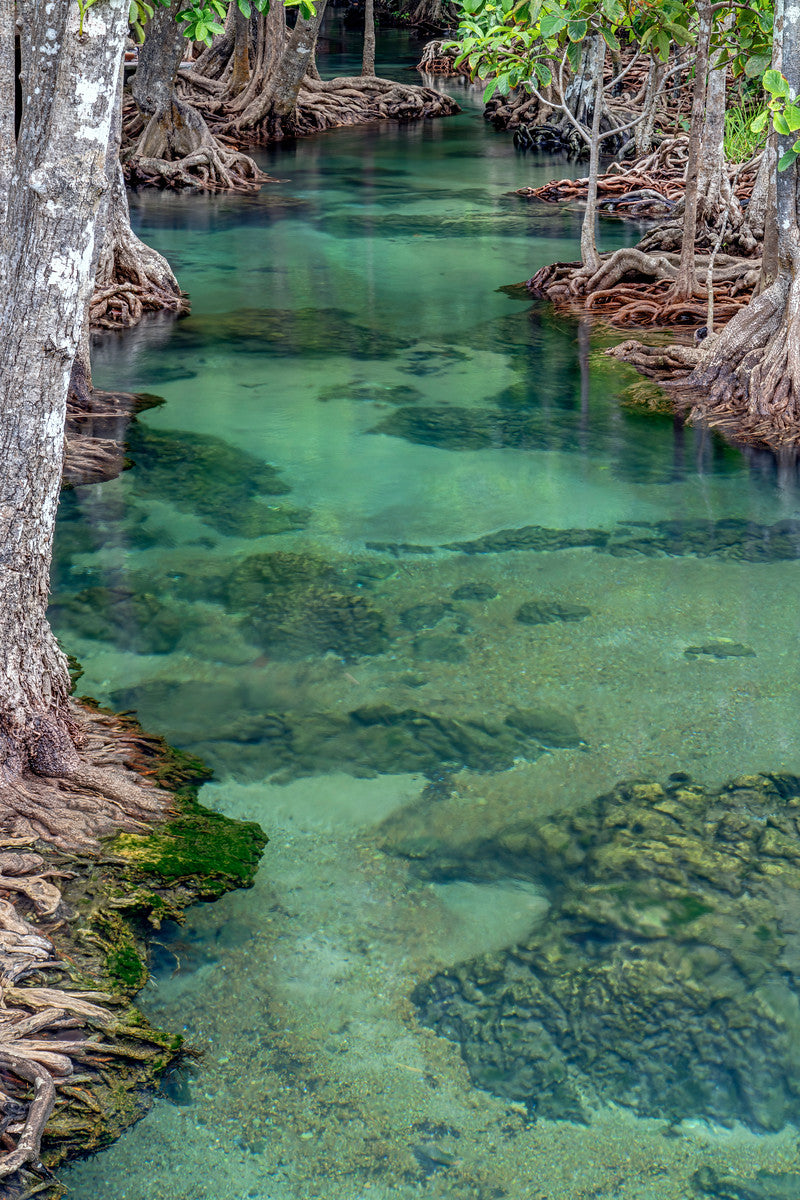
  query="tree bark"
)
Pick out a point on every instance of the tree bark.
point(589, 256)
point(368, 59)
point(8, 79)
point(295, 60)
point(713, 188)
point(56, 186)
point(753, 367)
point(240, 63)
point(686, 282)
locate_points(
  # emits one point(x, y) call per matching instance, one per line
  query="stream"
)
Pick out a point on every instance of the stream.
point(411, 565)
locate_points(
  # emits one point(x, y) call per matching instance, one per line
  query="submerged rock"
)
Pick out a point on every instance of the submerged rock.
point(317, 621)
point(721, 648)
point(766, 1185)
point(547, 612)
point(479, 592)
point(667, 975)
point(211, 479)
point(374, 739)
point(424, 616)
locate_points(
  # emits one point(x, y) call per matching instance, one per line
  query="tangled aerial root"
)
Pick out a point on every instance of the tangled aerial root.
point(348, 100)
point(327, 104)
point(125, 302)
point(51, 1034)
point(649, 189)
point(436, 61)
point(209, 168)
point(633, 290)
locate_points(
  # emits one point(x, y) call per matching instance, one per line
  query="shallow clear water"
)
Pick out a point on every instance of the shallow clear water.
point(298, 580)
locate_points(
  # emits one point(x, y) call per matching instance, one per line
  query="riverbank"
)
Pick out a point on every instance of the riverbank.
point(77, 926)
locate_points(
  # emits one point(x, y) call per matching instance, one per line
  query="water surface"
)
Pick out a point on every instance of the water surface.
point(410, 564)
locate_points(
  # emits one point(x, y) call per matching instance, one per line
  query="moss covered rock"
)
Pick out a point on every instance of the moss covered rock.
point(667, 975)
point(223, 486)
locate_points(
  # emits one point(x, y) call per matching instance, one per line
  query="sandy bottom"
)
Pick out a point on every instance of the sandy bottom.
point(316, 1079)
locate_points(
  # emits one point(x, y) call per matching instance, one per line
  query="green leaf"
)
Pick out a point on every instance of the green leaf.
point(576, 30)
point(792, 117)
point(489, 90)
point(610, 39)
point(758, 123)
point(776, 84)
point(756, 65)
point(781, 124)
point(551, 24)
point(245, 9)
point(544, 76)
point(789, 157)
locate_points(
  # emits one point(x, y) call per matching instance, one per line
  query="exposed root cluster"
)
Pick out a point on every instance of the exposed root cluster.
point(177, 150)
point(210, 168)
point(353, 100)
point(99, 798)
point(634, 194)
point(436, 60)
point(95, 435)
point(631, 289)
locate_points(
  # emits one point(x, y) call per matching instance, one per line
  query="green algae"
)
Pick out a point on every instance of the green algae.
point(667, 975)
point(381, 739)
point(205, 476)
point(548, 612)
point(212, 851)
point(720, 648)
point(766, 1185)
point(730, 538)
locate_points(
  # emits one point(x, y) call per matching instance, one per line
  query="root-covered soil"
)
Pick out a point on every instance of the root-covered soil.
point(632, 289)
point(74, 912)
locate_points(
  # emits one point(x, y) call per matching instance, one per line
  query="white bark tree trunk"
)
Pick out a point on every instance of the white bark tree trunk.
point(368, 57)
point(46, 253)
point(7, 98)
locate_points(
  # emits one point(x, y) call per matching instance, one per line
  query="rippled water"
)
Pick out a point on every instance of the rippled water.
point(421, 573)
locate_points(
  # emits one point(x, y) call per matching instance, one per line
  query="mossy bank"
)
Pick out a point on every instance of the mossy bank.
point(113, 901)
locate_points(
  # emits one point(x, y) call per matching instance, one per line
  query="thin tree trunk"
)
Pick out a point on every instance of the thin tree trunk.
point(47, 251)
point(240, 74)
point(160, 56)
point(713, 190)
point(589, 256)
point(368, 60)
point(643, 133)
point(295, 60)
point(686, 281)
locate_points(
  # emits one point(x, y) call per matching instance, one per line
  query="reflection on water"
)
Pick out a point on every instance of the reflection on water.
point(422, 574)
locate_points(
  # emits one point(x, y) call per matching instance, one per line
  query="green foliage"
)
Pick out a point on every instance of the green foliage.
point(83, 8)
point(201, 19)
point(745, 131)
point(785, 115)
point(509, 42)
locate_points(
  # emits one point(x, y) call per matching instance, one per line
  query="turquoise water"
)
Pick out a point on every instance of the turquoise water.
point(412, 565)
